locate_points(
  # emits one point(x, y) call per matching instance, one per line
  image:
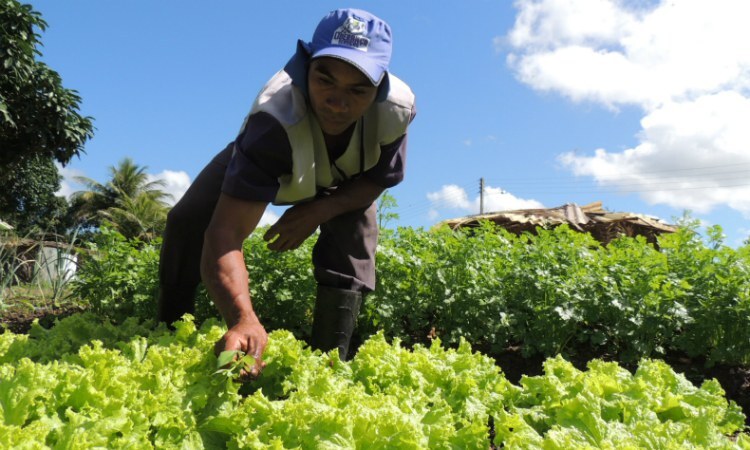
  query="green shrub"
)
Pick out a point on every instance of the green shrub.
point(282, 285)
point(716, 284)
point(118, 278)
point(558, 291)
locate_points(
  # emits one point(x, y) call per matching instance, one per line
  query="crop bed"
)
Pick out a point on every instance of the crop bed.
point(86, 383)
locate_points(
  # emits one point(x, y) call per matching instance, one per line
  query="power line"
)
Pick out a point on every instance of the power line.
point(720, 176)
point(572, 187)
point(734, 165)
point(481, 196)
point(742, 174)
point(707, 170)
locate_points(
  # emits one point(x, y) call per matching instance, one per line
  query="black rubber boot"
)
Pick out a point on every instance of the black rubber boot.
point(172, 304)
point(335, 316)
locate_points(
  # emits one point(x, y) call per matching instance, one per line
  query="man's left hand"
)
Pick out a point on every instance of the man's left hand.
point(295, 225)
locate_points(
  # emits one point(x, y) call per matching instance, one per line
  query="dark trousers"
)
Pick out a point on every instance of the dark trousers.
point(343, 256)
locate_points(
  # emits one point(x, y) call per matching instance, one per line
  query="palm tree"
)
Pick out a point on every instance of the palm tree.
point(128, 201)
point(141, 217)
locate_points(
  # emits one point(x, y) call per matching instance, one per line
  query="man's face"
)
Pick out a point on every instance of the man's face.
point(339, 94)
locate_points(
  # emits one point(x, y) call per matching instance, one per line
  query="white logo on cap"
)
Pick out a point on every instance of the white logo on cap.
point(355, 26)
point(352, 34)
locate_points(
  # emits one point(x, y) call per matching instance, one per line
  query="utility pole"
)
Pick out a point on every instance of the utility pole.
point(481, 196)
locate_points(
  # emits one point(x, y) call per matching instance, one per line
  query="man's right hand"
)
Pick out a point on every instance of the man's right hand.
point(224, 274)
point(247, 336)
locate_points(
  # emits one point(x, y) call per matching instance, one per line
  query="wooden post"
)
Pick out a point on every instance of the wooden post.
point(481, 196)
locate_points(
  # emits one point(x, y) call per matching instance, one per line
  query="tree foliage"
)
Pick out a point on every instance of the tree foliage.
point(132, 203)
point(28, 199)
point(38, 116)
point(386, 204)
point(141, 217)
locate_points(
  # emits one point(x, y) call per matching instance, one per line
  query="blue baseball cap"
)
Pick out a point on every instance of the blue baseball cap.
point(357, 37)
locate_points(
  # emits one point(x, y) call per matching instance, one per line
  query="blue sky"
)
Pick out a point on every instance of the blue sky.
point(640, 104)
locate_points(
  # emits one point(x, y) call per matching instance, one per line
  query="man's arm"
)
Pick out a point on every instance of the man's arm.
point(225, 275)
point(300, 221)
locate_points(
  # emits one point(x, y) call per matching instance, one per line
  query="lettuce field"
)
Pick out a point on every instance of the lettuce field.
point(88, 385)
point(449, 307)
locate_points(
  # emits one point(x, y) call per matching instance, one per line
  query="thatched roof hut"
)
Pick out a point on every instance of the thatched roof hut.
point(592, 218)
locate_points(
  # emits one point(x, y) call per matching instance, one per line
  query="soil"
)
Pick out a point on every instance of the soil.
point(19, 320)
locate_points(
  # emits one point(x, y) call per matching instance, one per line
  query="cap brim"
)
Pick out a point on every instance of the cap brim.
point(358, 59)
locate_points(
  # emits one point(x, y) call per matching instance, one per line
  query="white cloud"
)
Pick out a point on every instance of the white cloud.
point(685, 63)
point(692, 155)
point(604, 51)
point(68, 185)
point(549, 23)
point(176, 183)
point(453, 197)
point(269, 218)
point(497, 199)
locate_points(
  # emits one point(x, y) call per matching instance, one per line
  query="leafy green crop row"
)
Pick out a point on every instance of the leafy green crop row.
point(553, 293)
point(561, 290)
point(86, 384)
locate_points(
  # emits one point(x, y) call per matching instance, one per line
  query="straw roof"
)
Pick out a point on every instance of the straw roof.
point(591, 218)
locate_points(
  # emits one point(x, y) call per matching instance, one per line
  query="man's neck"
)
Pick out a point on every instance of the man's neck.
point(337, 144)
